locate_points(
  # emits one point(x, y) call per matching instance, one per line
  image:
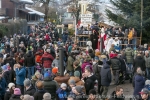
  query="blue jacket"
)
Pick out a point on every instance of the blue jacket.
point(65, 37)
point(20, 76)
point(139, 82)
point(105, 75)
point(62, 95)
point(3, 86)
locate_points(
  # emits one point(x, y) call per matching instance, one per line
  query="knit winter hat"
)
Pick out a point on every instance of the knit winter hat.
point(26, 97)
point(47, 96)
point(10, 85)
point(78, 89)
point(37, 73)
point(147, 82)
point(17, 91)
point(27, 82)
point(46, 74)
point(72, 82)
point(63, 85)
point(77, 74)
point(97, 50)
point(4, 67)
point(55, 70)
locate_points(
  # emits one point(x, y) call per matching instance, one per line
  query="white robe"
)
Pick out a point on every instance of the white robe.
point(109, 43)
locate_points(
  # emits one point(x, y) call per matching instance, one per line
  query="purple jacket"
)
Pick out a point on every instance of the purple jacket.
point(84, 65)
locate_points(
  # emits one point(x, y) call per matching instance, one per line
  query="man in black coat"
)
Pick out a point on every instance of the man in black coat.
point(117, 94)
point(139, 62)
point(116, 66)
point(94, 39)
point(89, 79)
point(105, 78)
point(29, 89)
point(50, 85)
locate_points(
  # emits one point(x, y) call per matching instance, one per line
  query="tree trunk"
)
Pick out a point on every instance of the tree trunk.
point(46, 12)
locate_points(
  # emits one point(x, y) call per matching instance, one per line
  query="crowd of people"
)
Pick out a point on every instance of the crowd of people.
point(30, 64)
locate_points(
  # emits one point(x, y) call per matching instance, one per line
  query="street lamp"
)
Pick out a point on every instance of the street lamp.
point(141, 20)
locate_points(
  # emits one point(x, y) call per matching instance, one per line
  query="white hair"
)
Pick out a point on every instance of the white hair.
point(147, 51)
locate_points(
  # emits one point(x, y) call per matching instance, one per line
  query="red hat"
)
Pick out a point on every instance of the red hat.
point(54, 70)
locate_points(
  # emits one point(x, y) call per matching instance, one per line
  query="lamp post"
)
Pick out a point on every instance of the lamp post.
point(61, 78)
point(141, 21)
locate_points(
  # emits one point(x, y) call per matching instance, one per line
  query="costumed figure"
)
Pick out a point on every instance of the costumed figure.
point(94, 39)
point(102, 35)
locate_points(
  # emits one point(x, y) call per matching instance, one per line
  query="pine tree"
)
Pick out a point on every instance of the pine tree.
point(129, 13)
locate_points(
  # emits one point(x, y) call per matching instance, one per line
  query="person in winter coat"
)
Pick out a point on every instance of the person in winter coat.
point(78, 81)
point(3, 86)
point(112, 48)
point(97, 70)
point(9, 91)
point(89, 79)
point(129, 54)
point(47, 60)
point(118, 94)
point(116, 66)
point(55, 62)
point(64, 37)
point(9, 60)
point(27, 97)
point(29, 63)
point(16, 95)
point(92, 95)
point(77, 67)
point(105, 79)
point(139, 62)
point(90, 52)
point(20, 76)
point(147, 84)
point(6, 73)
point(29, 89)
point(62, 92)
point(147, 63)
point(50, 85)
point(47, 96)
point(139, 82)
point(122, 69)
point(70, 61)
point(38, 95)
point(37, 77)
point(79, 95)
point(85, 63)
point(145, 94)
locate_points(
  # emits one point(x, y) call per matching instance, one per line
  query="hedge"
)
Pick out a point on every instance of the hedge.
point(12, 27)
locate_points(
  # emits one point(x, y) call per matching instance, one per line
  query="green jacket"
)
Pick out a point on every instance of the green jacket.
point(147, 61)
point(70, 64)
point(129, 54)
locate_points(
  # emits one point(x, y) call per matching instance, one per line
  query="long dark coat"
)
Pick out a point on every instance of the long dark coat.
point(94, 40)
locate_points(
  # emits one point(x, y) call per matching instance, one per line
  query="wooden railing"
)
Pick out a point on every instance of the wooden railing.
point(138, 39)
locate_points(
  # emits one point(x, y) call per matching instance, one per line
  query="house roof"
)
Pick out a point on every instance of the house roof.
point(32, 11)
point(27, 1)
